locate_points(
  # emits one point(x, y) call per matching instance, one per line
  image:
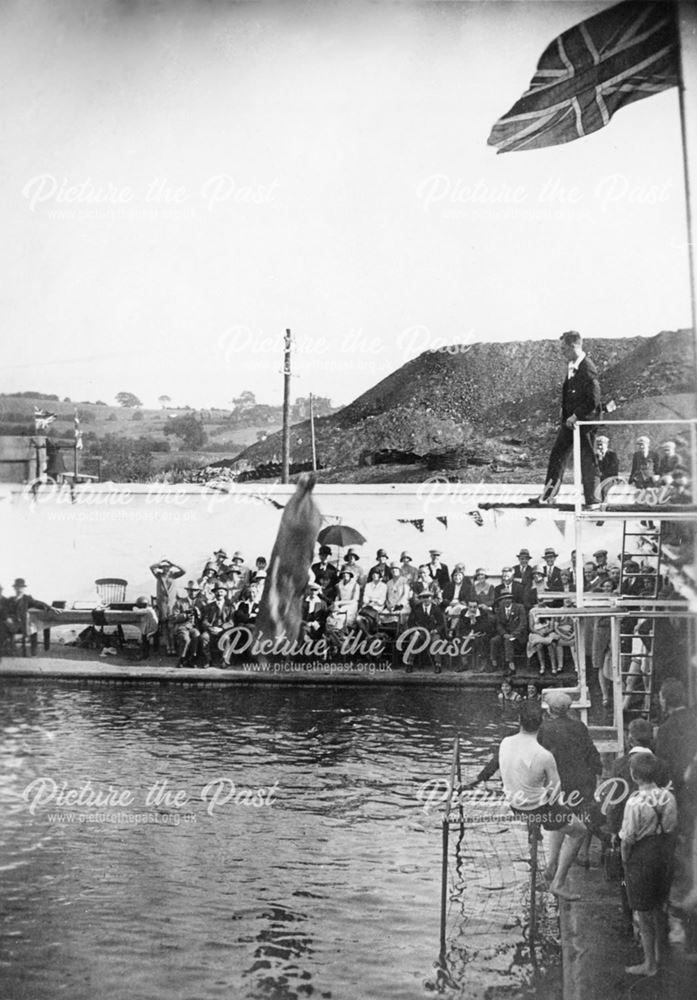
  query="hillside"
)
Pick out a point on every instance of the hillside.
point(493, 405)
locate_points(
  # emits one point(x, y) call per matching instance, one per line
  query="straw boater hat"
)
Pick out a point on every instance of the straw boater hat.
point(435, 552)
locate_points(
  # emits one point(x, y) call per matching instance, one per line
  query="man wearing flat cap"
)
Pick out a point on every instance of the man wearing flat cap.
point(576, 756)
point(437, 570)
point(580, 400)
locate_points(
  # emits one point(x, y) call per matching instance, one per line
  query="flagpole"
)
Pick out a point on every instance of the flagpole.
point(687, 84)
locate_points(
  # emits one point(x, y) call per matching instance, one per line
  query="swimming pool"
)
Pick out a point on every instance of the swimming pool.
point(318, 874)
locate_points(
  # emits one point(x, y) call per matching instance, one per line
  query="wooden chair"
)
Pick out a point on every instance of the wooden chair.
point(112, 590)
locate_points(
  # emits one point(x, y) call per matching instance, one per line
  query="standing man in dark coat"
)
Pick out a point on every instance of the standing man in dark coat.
point(575, 753)
point(17, 613)
point(580, 400)
point(522, 572)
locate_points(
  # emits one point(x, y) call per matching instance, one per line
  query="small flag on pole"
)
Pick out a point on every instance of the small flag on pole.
point(78, 432)
point(618, 56)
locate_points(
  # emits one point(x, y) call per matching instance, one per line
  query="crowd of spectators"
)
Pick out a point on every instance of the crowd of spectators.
point(650, 466)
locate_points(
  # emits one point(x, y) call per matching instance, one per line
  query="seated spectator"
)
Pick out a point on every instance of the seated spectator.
point(668, 459)
point(507, 693)
point(382, 566)
point(149, 626)
point(511, 632)
point(248, 607)
point(483, 590)
point(541, 637)
point(533, 595)
point(398, 595)
point(425, 583)
point(437, 570)
point(476, 625)
point(260, 566)
point(347, 595)
point(607, 461)
point(186, 615)
point(429, 618)
point(680, 487)
point(522, 572)
point(509, 586)
point(235, 586)
point(314, 612)
point(166, 574)
point(456, 594)
point(245, 571)
point(408, 569)
point(325, 573)
point(373, 602)
point(16, 613)
point(351, 559)
point(207, 582)
point(215, 616)
point(566, 638)
point(644, 471)
point(532, 692)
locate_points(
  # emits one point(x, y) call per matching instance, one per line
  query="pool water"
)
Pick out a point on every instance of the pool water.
point(318, 875)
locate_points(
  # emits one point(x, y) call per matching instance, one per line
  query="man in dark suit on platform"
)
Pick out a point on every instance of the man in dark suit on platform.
point(580, 400)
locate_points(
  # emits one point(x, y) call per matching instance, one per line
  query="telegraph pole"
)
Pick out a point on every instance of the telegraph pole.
point(285, 470)
point(312, 435)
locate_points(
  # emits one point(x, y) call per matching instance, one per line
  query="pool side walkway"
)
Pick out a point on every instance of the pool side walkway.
point(63, 663)
point(597, 944)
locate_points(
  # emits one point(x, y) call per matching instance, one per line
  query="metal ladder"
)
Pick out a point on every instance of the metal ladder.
point(637, 646)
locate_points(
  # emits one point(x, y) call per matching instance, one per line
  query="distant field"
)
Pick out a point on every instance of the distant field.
point(228, 437)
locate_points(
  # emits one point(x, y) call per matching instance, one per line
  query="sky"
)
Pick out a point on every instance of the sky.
point(182, 181)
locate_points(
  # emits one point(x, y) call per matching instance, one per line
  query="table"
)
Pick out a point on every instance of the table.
point(45, 620)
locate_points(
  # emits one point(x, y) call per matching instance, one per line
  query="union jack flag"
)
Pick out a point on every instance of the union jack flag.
point(620, 55)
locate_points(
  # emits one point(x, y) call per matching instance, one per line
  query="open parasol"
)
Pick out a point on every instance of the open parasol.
point(340, 535)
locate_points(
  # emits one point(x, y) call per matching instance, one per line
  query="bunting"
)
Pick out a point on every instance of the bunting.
point(443, 520)
point(529, 521)
point(418, 522)
point(42, 419)
point(476, 517)
point(561, 527)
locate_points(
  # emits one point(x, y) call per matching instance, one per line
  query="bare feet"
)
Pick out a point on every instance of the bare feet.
point(641, 970)
point(561, 893)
